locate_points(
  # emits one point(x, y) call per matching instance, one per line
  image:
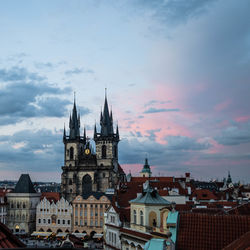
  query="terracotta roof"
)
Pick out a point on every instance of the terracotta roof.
point(204, 231)
point(51, 196)
point(7, 239)
point(243, 209)
point(242, 243)
point(203, 194)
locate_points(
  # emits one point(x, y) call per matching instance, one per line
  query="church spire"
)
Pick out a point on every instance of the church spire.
point(117, 132)
point(106, 120)
point(74, 124)
point(95, 132)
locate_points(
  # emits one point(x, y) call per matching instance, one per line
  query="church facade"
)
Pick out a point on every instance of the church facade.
point(87, 169)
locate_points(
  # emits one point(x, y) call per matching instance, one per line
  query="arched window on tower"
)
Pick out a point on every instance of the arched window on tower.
point(71, 153)
point(104, 151)
point(141, 218)
point(134, 216)
point(86, 184)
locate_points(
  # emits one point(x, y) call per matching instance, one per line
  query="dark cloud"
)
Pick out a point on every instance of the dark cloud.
point(234, 135)
point(77, 71)
point(19, 74)
point(178, 150)
point(185, 143)
point(151, 133)
point(26, 94)
point(159, 110)
point(27, 150)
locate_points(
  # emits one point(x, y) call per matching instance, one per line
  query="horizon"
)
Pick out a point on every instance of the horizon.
point(177, 78)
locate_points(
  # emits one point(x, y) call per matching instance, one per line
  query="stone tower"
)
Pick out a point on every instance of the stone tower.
point(87, 170)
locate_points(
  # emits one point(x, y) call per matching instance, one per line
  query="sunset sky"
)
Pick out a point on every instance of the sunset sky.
point(177, 75)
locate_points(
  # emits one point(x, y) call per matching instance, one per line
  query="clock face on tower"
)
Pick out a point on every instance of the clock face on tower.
point(87, 151)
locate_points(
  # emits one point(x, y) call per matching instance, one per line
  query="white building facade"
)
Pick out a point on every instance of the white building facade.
point(54, 217)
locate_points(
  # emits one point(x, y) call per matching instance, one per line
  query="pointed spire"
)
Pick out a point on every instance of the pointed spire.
point(64, 132)
point(106, 121)
point(95, 133)
point(74, 123)
point(117, 132)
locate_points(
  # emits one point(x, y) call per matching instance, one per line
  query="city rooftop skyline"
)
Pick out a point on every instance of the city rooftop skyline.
point(177, 78)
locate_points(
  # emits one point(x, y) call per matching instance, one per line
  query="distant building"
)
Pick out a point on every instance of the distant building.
point(22, 204)
point(3, 205)
point(146, 171)
point(88, 212)
point(53, 215)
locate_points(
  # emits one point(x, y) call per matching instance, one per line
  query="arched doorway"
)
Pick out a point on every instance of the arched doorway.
point(92, 234)
point(59, 230)
point(49, 230)
point(17, 228)
point(86, 184)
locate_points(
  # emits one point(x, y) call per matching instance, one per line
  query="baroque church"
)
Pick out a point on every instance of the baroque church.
point(87, 170)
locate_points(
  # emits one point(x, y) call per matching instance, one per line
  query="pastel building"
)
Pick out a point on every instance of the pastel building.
point(54, 216)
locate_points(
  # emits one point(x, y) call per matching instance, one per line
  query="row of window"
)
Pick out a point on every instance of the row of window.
point(92, 213)
point(48, 221)
point(91, 205)
point(91, 223)
point(59, 210)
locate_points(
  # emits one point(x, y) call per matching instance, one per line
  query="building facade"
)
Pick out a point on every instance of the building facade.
point(22, 204)
point(86, 168)
point(54, 217)
point(3, 205)
point(88, 212)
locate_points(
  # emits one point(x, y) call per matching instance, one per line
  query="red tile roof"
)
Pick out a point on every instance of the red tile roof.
point(243, 209)
point(203, 194)
point(242, 243)
point(51, 196)
point(205, 231)
point(7, 239)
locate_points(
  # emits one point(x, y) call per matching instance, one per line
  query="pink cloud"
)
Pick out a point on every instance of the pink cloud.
point(242, 118)
point(223, 105)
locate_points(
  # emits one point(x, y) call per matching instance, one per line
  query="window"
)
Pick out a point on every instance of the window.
point(76, 223)
point(85, 212)
point(44, 221)
point(95, 205)
point(103, 151)
point(141, 218)
point(80, 212)
point(76, 212)
point(71, 153)
point(85, 222)
point(85, 205)
point(58, 221)
point(68, 222)
point(96, 223)
point(66, 210)
point(101, 223)
point(63, 222)
point(101, 206)
point(91, 222)
point(134, 216)
point(81, 222)
point(91, 212)
point(39, 221)
point(101, 213)
point(48, 221)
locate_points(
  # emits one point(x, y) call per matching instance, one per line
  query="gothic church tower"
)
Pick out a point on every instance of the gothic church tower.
point(87, 170)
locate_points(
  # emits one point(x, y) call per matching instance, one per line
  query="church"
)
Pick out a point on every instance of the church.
point(86, 169)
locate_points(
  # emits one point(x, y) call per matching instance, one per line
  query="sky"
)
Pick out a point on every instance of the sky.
point(177, 75)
